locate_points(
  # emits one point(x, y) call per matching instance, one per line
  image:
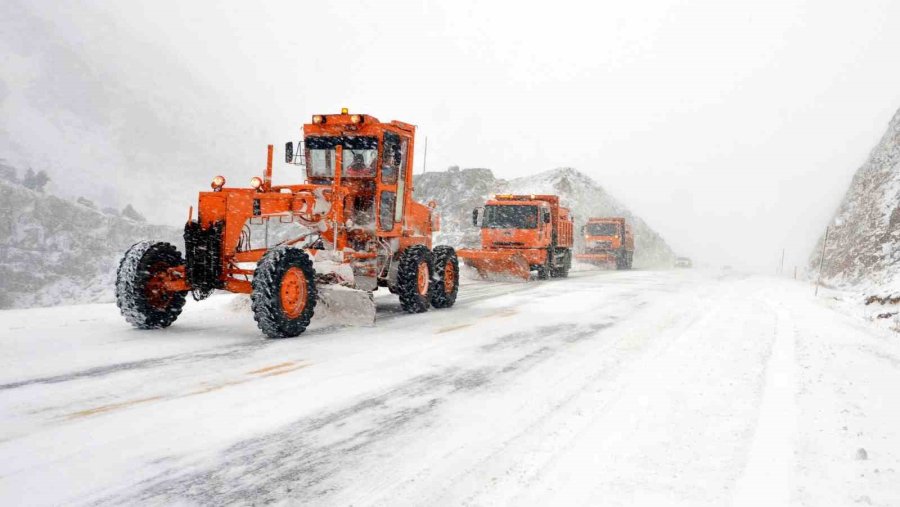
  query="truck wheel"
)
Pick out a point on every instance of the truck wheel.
point(445, 277)
point(284, 292)
point(546, 270)
point(143, 301)
point(414, 278)
point(629, 260)
point(563, 270)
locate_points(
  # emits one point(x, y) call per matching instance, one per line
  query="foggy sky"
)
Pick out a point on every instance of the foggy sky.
point(732, 128)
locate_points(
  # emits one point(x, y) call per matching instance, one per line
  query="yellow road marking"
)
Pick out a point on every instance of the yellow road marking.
point(269, 371)
point(451, 328)
point(270, 368)
point(109, 408)
point(505, 312)
point(283, 371)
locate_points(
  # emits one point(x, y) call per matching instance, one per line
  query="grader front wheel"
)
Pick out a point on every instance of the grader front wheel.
point(140, 285)
point(284, 292)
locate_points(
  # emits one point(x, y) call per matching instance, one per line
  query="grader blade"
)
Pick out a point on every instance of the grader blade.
point(496, 265)
point(345, 306)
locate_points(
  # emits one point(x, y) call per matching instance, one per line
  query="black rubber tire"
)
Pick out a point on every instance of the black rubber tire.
point(440, 297)
point(411, 300)
point(136, 268)
point(546, 271)
point(266, 296)
point(623, 260)
point(563, 270)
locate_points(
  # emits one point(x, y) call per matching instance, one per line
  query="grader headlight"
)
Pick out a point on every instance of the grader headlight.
point(256, 182)
point(217, 183)
point(318, 119)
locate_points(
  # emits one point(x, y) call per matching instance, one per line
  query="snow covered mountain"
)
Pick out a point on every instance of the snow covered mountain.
point(862, 238)
point(457, 192)
point(54, 251)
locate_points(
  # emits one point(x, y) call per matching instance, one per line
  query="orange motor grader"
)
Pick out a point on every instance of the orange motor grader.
point(606, 240)
point(352, 227)
point(520, 234)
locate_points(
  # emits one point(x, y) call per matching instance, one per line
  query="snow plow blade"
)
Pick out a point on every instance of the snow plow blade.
point(494, 264)
point(345, 306)
point(597, 259)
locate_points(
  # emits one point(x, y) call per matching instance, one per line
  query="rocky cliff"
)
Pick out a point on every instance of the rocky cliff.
point(862, 246)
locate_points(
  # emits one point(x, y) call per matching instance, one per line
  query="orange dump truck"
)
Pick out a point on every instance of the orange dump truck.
point(608, 239)
point(520, 234)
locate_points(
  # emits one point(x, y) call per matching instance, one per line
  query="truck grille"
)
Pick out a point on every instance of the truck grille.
point(599, 246)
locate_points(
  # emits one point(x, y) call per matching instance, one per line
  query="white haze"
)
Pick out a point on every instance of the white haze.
point(733, 128)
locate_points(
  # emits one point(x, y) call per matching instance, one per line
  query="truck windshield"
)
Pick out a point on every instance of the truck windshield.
point(359, 155)
point(601, 229)
point(510, 216)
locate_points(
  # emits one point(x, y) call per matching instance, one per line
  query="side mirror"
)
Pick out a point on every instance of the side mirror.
point(477, 215)
point(289, 152)
point(546, 218)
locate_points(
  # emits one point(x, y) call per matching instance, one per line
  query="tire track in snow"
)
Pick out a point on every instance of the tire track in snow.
point(294, 462)
point(388, 311)
point(768, 477)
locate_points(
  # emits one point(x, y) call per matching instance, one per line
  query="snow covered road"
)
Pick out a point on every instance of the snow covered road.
point(620, 388)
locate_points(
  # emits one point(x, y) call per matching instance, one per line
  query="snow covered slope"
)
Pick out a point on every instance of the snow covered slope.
point(457, 192)
point(54, 251)
point(862, 237)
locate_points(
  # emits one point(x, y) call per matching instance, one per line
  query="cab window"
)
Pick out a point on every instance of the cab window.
point(401, 180)
point(321, 156)
point(386, 210)
point(510, 216)
point(359, 156)
point(390, 159)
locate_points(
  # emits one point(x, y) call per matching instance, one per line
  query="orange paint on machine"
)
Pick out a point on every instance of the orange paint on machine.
point(607, 240)
point(357, 227)
point(521, 234)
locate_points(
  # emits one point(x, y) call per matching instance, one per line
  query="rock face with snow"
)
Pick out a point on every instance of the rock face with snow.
point(54, 251)
point(863, 237)
point(457, 192)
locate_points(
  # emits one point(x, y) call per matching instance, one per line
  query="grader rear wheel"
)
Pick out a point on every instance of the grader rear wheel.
point(413, 278)
point(445, 277)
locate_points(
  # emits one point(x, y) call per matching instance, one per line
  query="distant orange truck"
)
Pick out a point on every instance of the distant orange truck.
point(520, 234)
point(606, 240)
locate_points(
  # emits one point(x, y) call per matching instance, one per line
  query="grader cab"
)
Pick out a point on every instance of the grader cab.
point(353, 227)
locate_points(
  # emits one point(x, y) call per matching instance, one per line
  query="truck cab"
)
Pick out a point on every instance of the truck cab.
point(514, 224)
point(520, 234)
